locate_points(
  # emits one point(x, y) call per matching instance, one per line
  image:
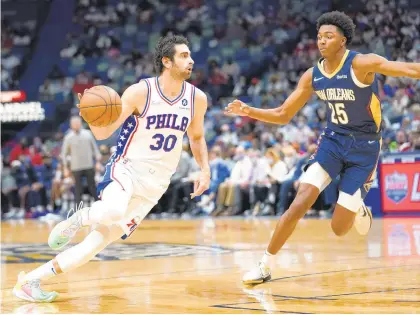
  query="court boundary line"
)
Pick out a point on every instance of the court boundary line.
point(257, 309)
point(337, 271)
point(314, 298)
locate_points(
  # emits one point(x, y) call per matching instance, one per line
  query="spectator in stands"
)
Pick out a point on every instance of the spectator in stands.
point(233, 192)
point(80, 151)
point(277, 173)
point(30, 190)
point(289, 184)
point(259, 181)
point(227, 136)
point(10, 205)
point(220, 172)
point(22, 148)
point(181, 184)
point(231, 68)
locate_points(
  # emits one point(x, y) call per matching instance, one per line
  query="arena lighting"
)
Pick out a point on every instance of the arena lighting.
point(12, 96)
point(21, 112)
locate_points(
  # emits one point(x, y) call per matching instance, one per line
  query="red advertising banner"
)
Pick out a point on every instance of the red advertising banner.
point(400, 187)
point(12, 96)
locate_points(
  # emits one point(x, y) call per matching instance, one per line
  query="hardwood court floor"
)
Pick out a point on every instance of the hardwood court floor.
point(196, 266)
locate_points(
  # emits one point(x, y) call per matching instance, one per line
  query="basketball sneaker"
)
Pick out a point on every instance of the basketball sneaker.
point(30, 290)
point(363, 220)
point(257, 275)
point(64, 231)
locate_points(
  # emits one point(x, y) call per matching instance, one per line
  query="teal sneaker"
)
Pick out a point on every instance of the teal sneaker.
point(64, 231)
point(30, 290)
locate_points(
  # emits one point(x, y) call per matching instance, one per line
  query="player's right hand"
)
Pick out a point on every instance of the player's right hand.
point(79, 96)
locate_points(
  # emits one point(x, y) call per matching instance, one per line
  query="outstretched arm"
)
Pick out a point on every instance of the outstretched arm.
point(198, 143)
point(372, 63)
point(280, 115)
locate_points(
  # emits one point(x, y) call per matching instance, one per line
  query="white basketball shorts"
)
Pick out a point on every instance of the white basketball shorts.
point(145, 186)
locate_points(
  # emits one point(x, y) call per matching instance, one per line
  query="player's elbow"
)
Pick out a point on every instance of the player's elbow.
point(101, 135)
point(196, 138)
point(283, 117)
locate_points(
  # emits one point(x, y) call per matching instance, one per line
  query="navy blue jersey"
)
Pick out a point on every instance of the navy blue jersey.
point(353, 107)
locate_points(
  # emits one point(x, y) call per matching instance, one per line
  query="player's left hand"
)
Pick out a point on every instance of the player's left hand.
point(201, 184)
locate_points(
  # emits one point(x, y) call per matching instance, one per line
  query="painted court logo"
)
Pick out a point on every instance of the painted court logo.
point(31, 253)
point(396, 186)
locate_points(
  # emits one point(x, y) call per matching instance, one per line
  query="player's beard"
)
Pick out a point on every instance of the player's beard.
point(180, 74)
point(187, 74)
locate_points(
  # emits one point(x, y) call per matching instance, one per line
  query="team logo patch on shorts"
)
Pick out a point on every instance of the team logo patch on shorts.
point(396, 186)
point(133, 224)
point(36, 253)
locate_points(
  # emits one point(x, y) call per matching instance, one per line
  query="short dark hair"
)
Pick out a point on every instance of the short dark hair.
point(339, 19)
point(165, 47)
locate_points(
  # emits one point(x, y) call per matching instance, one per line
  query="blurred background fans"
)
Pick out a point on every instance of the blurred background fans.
point(251, 50)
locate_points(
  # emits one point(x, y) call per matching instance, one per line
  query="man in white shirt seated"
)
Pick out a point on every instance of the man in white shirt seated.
point(230, 193)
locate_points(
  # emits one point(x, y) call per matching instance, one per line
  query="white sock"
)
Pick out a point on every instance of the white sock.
point(268, 259)
point(44, 272)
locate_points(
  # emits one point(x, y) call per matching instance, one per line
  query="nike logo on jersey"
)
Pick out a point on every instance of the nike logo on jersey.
point(370, 142)
point(317, 79)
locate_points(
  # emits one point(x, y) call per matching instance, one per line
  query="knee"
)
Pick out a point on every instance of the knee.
point(116, 213)
point(110, 211)
point(305, 197)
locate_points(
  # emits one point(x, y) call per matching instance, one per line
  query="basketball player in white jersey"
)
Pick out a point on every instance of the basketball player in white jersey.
point(156, 112)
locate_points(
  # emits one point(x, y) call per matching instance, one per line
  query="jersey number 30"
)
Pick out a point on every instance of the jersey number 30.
point(167, 143)
point(338, 113)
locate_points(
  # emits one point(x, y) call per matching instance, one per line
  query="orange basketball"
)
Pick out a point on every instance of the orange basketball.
point(100, 106)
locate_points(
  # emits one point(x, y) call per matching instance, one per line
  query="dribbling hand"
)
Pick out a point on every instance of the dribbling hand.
point(79, 96)
point(201, 184)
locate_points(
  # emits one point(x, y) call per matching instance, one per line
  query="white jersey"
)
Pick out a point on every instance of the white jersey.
point(153, 139)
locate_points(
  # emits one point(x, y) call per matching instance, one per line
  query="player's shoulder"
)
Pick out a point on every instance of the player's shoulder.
point(139, 89)
point(309, 72)
point(360, 59)
point(306, 78)
point(199, 95)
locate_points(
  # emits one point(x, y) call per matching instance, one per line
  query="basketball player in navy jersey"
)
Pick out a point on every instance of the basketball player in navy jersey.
point(350, 144)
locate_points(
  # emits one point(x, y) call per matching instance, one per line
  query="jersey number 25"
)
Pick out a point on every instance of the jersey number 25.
point(338, 113)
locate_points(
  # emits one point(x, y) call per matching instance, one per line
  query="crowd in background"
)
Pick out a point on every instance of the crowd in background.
point(16, 38)
point(255, 167)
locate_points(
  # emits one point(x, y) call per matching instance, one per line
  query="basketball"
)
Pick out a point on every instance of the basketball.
point(100, 106)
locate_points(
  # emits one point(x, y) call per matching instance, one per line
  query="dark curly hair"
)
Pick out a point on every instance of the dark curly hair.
point(165, 47)
point(339, 19)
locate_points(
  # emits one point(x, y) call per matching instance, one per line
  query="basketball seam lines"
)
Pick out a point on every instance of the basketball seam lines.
point(92, 106)
point(110, 99)
point(106, 104)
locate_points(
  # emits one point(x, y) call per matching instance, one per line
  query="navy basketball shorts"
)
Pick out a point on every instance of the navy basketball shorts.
point(354, 158)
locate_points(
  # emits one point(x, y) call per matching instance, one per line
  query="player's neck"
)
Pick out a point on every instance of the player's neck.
point(330, 64)
point(170, 86)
